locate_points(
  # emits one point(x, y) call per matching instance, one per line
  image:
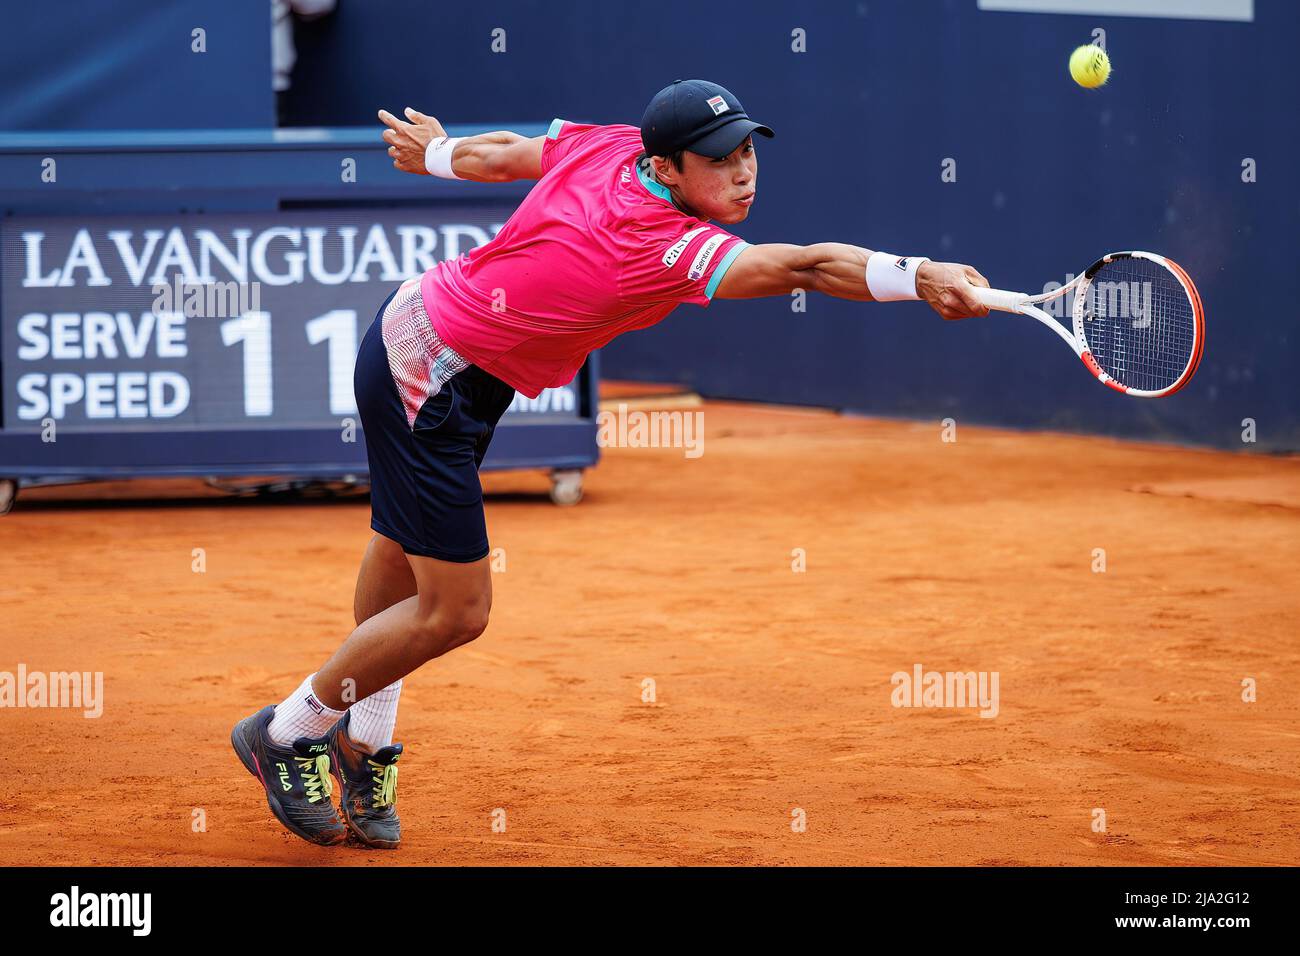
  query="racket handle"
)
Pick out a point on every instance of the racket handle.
point(1001, 300)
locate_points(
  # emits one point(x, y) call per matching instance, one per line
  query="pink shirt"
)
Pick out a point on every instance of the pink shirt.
point(595, 250)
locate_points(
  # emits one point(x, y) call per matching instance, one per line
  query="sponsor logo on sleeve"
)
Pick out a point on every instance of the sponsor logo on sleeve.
point(718, 104)
point(677, 248)
point(704, 255)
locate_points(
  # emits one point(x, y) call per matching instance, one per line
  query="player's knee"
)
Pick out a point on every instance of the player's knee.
point(449, 628)
point(466, 626)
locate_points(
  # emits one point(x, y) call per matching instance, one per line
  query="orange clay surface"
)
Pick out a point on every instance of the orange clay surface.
point(1119, 690)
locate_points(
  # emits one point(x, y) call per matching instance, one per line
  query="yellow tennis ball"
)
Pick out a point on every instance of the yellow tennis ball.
point(1090, 66)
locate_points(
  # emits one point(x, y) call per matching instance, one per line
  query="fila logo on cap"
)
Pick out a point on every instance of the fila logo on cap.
point(718, 104)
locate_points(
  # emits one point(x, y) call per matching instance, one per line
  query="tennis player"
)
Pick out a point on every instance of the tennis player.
point(623, 226)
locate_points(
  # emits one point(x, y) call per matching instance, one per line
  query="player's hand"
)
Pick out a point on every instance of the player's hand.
point(949, 287)
point(408, 141)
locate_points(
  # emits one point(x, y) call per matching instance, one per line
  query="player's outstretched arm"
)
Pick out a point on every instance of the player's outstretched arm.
point(839, 269)
point(498, 157)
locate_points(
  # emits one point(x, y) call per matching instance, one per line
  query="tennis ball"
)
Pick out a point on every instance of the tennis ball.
point(1090, 66)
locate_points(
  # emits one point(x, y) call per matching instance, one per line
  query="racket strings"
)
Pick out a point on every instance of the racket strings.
point(1139, 323)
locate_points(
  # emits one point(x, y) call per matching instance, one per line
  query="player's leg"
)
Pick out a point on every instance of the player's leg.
point(427, 496)
point(450, 609)
point(385, 578)
point(428, 417)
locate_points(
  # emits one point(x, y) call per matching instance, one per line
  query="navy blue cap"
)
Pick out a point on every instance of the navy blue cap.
point(699, 116)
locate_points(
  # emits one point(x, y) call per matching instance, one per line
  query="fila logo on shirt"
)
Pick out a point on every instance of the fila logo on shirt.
point(626, 176)
point(718, 104)
point(704, 255)
point(677, 248)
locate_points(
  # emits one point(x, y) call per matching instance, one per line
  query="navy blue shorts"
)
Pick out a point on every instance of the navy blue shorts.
point(426, 434)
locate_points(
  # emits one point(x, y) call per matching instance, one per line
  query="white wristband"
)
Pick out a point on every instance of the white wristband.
point(437, 156)
point(892, 278)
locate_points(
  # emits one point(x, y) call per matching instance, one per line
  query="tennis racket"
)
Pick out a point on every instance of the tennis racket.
point(1138, 322)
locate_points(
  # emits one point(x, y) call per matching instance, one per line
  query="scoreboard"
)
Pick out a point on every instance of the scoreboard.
point(224, 343)
point(214, 320)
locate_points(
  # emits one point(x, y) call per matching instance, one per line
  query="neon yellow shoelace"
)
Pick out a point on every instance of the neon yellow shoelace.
point(385, 789)
point(316, 777)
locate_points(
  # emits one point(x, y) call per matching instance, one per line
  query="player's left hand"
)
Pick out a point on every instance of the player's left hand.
point(949, 287)
point(408, 141)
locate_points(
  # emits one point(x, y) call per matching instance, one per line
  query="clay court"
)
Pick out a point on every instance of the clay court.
point(1120, 690)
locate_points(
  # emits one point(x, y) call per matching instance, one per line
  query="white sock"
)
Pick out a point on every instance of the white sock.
point(372, 719)
point(301, 715)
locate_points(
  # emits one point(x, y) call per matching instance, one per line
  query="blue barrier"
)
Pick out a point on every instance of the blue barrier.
point(1048, 177)
point(196, 171)
point(135, 64)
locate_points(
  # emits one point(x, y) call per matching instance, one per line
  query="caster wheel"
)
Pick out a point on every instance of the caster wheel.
point(9, 491)
point(566, 487)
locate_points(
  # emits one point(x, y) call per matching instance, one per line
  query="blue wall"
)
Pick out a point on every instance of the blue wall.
point(1048, 176)
point(129, 64)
